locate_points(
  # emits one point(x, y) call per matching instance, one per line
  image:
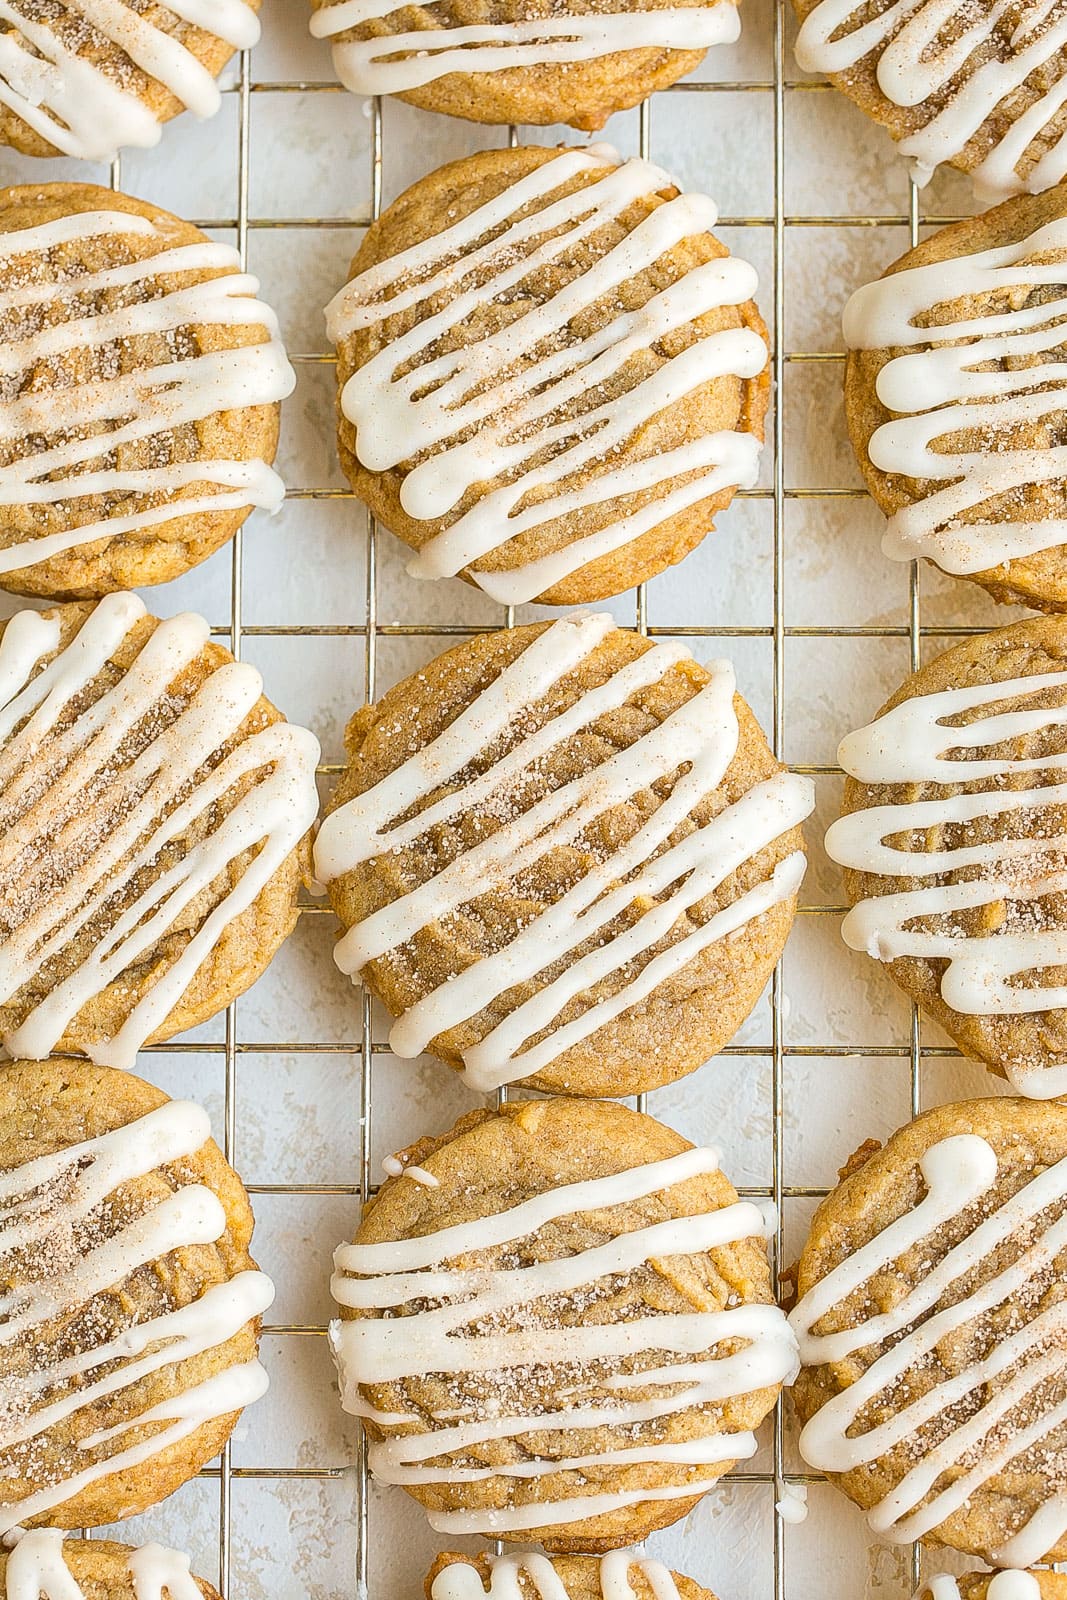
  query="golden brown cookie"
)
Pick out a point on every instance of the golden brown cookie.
point(84, 80)
point(537, 63)
point(1008, 1585)
point(933, 1304)
point(620, 1575)
point(552, 375)
point(558, 1325)
point(565, 855)
point(132, 1303)
point(955, 399)
point(98, 1569)
point(154, 813)
point(955, 843)
point(140, 381)
point(979, 87)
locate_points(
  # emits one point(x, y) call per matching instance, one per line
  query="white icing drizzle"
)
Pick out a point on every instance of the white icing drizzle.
point(792, 1502)
point(702, 732)
point(393, 1167)
point(913, 68)
point(938, 389)
point(53, 464)
point(54, 1389)
point(462, 438)
point(460, 1580)
point(150, 800)
point(392, 1275)
point(1013, 1585)
point(90, 109)
point(37, 1570)
point(409, 58)
point(912, 745)
point(958, 1172)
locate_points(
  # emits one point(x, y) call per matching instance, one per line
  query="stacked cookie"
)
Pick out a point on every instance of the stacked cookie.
point(930, 1301)
point(155, 808)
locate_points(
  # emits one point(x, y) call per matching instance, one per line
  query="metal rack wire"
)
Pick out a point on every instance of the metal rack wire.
point(372, 630)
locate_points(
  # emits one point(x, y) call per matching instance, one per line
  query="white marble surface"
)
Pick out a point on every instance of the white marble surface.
point(292, 1537)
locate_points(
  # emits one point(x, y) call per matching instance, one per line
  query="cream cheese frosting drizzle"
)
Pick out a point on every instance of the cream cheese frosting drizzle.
point(677, 876)
point(37, 1569)
point(958, 1173)
point(462, 1581)
point(966, 81)
point(58, 441)
point(938, 389)
point(681, 1347)
point(92, 108)
point(377, 65)
point(912, 745)
point(471, 415)
point(47, 1207)
point(84, 823)
point(1007, 1585)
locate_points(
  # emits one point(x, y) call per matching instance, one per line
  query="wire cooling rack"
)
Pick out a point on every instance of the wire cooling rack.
point(355, 1563)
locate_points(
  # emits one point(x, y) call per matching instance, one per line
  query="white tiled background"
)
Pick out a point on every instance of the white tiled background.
point(282, 1076)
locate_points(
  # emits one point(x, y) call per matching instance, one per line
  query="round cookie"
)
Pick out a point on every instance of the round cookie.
point(620, 1575)
point(953, 837)
point(552, 375)
point(140, 381)
point(45, 1562)
point(130, 1346)
point(154, 813)
point(981, 87)
point(564, 855)
point(1010, 1584)
point(538, 64)
point(933, 1298)
point(560, 1328)
point(966, 463)
point(85, 79)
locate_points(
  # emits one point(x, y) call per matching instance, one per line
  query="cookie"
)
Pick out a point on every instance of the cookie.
point(89, 77)
point(933, 1299)
point(132, 1303)
point(967, 464)
point(955, 841)
point(563, 1330)
point(1007, 1585)
point(552, 375)
point(982, 88)
point(140, 381)
point(620, 1575)
point(154, 810)
point(45, 1562)
point(564, 855)
point(530, 63)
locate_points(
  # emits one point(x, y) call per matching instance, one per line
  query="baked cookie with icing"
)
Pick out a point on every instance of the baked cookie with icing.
point(1010, 1584)
point(132, 1304)
point(562, 1329)
point(552, 375)
point(521, 62)
point(979, 87)
point(619, 1575)
point(88, 77)
point(154, 814)
point(44, 1562)
point(933, 1302)
point(954, 839)
point(955, 396)
point(565, 855)
point(140, 381)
